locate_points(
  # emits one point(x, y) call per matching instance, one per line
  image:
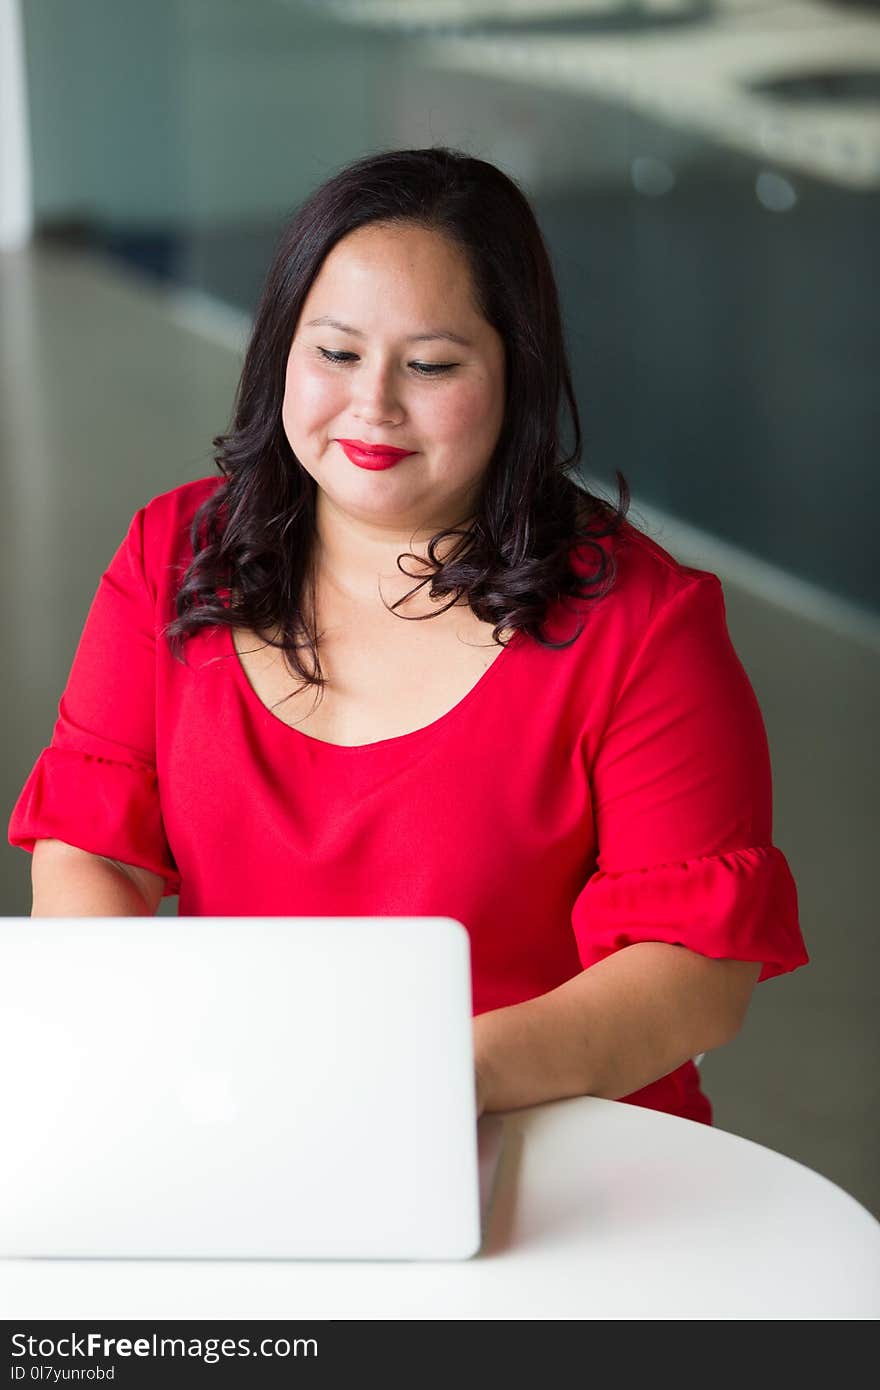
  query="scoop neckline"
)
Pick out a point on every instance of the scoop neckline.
point(381, 744)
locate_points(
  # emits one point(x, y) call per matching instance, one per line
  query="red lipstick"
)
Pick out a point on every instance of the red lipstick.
point(372, 455)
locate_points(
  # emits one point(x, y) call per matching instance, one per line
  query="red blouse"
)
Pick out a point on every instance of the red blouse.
point(575, 801)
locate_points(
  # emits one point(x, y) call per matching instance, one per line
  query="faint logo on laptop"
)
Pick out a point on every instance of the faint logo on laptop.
point(207, 1097)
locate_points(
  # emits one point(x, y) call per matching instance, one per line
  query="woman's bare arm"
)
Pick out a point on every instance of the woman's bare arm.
point(625, 1022)
point(70, 882)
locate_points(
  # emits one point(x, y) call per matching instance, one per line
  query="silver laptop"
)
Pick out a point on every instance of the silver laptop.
point(233, 1087)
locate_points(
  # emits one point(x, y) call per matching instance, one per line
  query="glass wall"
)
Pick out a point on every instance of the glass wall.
point(706, 174)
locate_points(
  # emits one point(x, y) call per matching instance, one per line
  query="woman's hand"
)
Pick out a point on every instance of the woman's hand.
point(481, 1091)
point(481, 1068)
point(629, 1019)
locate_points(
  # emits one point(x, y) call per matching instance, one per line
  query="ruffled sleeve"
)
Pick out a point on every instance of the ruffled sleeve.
point(741, 905)
point(682, 799)
point(96, 786)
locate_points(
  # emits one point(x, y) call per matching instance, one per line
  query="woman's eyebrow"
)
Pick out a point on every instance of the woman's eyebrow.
point(326, 322)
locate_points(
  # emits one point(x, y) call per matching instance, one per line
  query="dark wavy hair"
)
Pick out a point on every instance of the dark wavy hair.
point(253, 537)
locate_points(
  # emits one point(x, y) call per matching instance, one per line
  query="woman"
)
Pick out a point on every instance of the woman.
point(396, 661)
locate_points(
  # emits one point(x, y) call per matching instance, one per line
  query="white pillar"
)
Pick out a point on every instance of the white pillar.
point(16, 209)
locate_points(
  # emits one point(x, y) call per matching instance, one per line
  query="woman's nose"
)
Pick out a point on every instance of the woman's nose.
point(376, 397)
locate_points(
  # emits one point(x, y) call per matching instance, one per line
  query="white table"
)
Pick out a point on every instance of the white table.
point(601, 1210)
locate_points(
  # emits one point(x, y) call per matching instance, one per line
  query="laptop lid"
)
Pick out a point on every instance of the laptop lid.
point(239, 1087)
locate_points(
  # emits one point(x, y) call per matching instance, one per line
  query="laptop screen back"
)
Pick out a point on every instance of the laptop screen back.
point(238, 1087)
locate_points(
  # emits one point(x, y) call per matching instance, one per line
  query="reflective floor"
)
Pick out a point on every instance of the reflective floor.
point(111, 391)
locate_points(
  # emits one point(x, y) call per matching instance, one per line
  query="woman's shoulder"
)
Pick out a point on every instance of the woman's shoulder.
point(159, 536)
point(168, 516)
point(646, 579)
point(179, 504)
point(646, 576)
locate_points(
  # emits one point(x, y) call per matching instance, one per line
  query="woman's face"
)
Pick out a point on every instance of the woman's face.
point(390, 349)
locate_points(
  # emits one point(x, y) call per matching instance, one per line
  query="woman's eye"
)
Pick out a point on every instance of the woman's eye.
point(422, 368)
point(335, 356)
point(432, 368)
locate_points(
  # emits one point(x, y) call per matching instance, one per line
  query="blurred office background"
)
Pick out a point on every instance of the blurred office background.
point(706, 173)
